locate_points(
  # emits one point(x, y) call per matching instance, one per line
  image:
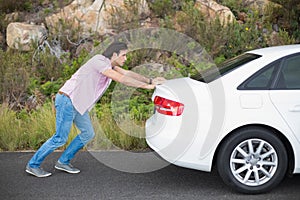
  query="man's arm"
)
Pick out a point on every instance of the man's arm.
point(133, 75)
point(122, 76)
point(155, 81)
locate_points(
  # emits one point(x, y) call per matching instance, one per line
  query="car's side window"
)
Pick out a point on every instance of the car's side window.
point(289, 76)
point(261, 80)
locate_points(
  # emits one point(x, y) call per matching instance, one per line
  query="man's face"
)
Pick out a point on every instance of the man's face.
point(119, 59)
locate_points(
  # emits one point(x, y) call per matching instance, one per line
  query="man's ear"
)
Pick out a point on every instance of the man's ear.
point(114, 55)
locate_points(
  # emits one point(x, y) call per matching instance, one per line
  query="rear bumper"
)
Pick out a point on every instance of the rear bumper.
point(175, 154)
point(174, 143)
point(181, 139)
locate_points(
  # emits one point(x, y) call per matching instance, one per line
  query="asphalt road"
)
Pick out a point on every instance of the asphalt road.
point(98, 181)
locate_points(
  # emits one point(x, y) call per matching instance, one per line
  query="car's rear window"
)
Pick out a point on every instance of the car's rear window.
point(213, 73)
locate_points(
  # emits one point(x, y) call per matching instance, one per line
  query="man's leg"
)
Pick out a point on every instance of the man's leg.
point(84, 124)
point(64, 120)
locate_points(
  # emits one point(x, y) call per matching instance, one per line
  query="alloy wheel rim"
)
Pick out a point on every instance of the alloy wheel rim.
point(253, 162)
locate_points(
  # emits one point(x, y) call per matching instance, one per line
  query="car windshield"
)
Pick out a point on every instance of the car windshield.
point(213, 73)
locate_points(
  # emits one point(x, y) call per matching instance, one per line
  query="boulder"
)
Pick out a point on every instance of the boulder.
point(12, 17)
point(212, 10)
point(22, 36)
point(92, 15)
point(256, 4)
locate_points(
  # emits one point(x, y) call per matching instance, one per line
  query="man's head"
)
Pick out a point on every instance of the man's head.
point(116, 52)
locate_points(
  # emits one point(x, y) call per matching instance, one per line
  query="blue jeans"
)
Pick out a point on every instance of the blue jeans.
point(66, 114)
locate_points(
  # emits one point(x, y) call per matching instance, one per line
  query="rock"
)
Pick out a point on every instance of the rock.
point(12, 17)
point(212, 10)
point(21, 36)
point(87, 46)
point(242, 16)
point(256, 4)
point(92, 16)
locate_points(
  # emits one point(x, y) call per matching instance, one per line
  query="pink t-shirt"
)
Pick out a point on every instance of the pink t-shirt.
point(88, 83)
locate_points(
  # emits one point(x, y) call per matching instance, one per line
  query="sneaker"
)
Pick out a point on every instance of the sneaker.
point(67, 168)
point(38, 172)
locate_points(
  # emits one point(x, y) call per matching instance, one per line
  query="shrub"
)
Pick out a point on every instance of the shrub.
point(162, 8)
point(109, 134)
point(226, 41)
point(14, 78)
point(11, 130)
point(16, 5)
point(27, 130)
point(285, 15)
point(165, 8)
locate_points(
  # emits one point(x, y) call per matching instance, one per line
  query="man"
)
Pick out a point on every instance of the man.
point(76, 98)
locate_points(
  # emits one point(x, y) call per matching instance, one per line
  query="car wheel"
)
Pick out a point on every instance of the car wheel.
point(252, 160)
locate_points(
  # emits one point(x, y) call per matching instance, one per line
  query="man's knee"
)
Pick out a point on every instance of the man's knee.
point(91, 134)
point(87, 135)
point(58, 141)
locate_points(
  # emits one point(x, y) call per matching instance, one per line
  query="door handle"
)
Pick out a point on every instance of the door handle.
point(296, 108)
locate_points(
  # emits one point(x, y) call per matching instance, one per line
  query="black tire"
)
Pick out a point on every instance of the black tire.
point(252, 168)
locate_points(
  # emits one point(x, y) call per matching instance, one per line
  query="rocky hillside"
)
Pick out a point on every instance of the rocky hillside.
point(26, 25)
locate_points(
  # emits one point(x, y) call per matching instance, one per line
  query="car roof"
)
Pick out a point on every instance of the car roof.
point(282, 50)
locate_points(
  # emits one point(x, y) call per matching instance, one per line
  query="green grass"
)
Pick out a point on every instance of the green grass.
point(28, 131)
point(11, 130)
point(110, 135)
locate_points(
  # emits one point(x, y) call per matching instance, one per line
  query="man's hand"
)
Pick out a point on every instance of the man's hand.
point(158, 80)
point(149, 86)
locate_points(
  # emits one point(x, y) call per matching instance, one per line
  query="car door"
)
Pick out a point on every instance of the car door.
point(286, 93)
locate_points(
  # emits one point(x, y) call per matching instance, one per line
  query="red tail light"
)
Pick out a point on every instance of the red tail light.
point(168, 107)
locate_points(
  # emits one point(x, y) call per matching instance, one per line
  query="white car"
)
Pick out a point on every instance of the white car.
point(243, 118)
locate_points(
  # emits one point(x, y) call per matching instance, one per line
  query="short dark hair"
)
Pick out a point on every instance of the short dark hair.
point(114, 47)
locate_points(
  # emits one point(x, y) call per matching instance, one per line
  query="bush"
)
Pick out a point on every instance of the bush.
point(16, 5)
point(285, 15)
point(165, 8)
point(162, 8)
point(27, 130)
point(15, 73)
point(11, 129)
point(27, 5)
point(110, 135)
point(226, 41)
